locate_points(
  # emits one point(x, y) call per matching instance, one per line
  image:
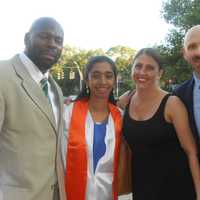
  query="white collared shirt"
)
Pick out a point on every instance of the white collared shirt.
point(196, 103)
point(37, 76)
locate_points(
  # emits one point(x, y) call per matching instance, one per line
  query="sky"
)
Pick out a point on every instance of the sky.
point(88, 24)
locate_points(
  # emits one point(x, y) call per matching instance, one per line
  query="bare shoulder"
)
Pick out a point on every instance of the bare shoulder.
point(174, 104)
point(124, 99)
point(174, 100)
point(125, 95)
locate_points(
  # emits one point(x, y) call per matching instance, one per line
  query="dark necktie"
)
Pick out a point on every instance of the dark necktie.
point(45, 88)
point(44, 85)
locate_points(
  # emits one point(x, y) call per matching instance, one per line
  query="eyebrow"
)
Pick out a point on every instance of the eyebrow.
point(150, 65)
point(191, 44)
point(49, 34)
point(111, 72)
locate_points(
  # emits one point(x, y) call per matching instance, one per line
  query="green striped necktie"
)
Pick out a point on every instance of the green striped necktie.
point(44, 85)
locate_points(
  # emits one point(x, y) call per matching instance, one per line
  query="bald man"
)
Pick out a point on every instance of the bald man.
point(189, 91)
point(30, 118)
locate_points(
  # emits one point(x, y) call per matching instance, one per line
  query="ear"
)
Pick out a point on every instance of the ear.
point(161, 72)
point(27, 39)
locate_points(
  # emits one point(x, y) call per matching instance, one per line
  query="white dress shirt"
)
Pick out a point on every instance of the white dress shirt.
point(196, 103)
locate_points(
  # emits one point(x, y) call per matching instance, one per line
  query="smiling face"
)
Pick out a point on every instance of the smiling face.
point(146, 71)
point(44, 43)
point(101, 80)
point(191, 49)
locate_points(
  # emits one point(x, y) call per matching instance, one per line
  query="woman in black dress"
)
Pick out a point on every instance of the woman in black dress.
point(156, 128)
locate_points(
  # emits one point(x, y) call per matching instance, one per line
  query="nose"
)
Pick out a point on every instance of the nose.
point(103, 79)
point(52, 42)
point(143, 70)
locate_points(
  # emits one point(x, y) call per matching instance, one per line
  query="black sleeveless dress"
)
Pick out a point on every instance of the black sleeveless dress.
point(160, 167)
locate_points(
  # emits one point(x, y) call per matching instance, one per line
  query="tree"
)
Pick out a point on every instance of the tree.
point(123, 57)
point(182, 14)
point(74, 60)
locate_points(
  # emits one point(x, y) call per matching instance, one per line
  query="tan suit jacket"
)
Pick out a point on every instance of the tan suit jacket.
point(30, 162)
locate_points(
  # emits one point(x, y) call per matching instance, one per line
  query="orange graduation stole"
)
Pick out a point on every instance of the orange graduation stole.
point(76, 166)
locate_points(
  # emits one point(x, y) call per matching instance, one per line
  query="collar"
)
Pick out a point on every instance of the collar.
point(32, 69)
point(196, 80)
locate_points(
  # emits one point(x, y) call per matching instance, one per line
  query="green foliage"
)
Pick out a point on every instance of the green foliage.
point(182, 14)
point(123, 57)
point(175, 66)
point(73, 61)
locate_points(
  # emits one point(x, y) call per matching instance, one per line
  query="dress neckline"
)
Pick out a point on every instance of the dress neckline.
point(163, 100)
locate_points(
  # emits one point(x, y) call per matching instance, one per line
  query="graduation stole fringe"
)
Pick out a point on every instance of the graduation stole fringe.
point(76, 166)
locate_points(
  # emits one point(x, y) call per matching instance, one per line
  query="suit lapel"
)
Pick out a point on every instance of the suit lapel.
point(33, 90)
point(190, 102)
point(189, 95)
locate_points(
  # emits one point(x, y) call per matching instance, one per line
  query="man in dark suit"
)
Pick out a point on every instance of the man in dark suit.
point(189, 91)
point(31, 105)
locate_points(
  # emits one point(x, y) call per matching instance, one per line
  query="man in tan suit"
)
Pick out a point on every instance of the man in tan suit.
point(30, 120)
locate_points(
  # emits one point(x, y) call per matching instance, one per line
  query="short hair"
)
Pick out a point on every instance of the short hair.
point(189, 31)
point(44, 21)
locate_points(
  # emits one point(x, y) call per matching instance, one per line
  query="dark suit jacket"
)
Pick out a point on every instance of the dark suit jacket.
point(185, 93)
